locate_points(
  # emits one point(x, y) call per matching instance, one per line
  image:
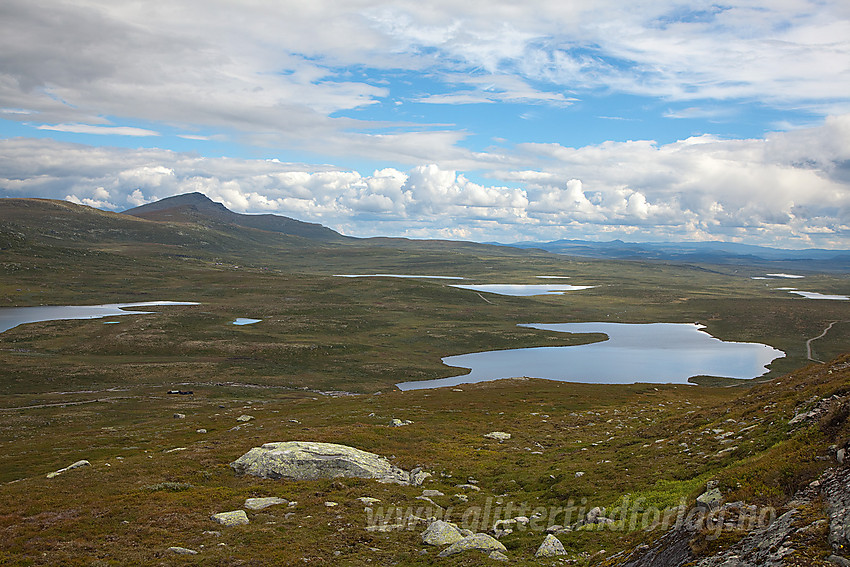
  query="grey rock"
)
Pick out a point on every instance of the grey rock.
point(432, 493)
point(468, 487)
point(262, 503)
point(710, 499)
point(73, 466)
point(441, 533)
point(839, 560)
point(595, 512)
point(303, 460)
point(498, 556)
point(498, 435)
point(418, 477)
point(182, 550)
point(245, 417)
point(551, 547)
point(368, 501)
point(839, 455)
point(480, 542)
point(179, 416)
point(234, 518)
point(395, 422)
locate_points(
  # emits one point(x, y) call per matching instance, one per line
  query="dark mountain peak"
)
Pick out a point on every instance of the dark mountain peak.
point(197, 200)
point(197, 207)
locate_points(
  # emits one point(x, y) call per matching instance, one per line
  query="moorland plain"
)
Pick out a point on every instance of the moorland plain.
point(84, 390)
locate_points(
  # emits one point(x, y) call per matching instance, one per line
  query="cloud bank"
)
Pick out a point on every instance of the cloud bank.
point(789, 188)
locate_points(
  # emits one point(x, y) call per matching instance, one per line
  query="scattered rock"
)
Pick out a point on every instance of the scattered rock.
point(234, 518)
point(245, 417)
point(429, 501)
point(579, 474)
point(461, 497)
point(76, 465)
point(262, 503)
point(331, 504)
point(302, 460)
point(551, 547)
point(498, 556)
point(182, 550)
point(498, 435)
point(200, 431)
point(395, 422)
point(418, 477)
point(179, 416)
point(441, 533)
point(432, 493)
point(368, 501)
point(468, 487)
point(838, 560)
point(481, 542)
point(710, 499)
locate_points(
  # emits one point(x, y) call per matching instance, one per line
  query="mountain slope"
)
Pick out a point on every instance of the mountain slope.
point(198, 208)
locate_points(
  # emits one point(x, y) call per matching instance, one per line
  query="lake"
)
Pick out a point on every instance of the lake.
point(634, 352)
point(524, 290)
point(11, 317)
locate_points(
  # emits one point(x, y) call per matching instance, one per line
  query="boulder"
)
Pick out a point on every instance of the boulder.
point(481, 542)
point(182, 550)
point(262, 503)
point(551, 547)
point(498, 435)
point(441, 533)
point(710, 499)
point(303, 460)
point(234, 518)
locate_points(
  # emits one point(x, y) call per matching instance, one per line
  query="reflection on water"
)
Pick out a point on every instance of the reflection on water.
point(11, 317)
point(245, 321)
point(651, 352)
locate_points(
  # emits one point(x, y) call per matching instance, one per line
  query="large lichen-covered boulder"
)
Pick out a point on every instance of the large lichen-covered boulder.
point(441, 533)
point(304, 460)
point(481, 542)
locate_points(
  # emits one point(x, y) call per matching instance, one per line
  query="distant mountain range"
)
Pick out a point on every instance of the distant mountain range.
point(700, 252)
point(198, 208)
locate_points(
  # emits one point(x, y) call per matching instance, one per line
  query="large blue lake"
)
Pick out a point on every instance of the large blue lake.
point(651, 352)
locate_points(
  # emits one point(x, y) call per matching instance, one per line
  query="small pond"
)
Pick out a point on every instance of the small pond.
point(11, 317)
point(650, 352)
point(245, 321)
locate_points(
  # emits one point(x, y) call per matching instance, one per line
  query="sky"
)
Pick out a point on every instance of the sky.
point(485, 120)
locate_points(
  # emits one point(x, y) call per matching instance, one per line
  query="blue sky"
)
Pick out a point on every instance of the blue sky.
point(494, 121)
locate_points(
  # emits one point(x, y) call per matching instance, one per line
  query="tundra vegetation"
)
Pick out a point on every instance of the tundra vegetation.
point(321, 365)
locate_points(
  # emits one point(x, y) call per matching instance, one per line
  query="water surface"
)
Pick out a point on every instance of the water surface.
point(524, 290)
point(245, 321)
point(11, 317)
point(397, 276)
point(651, 352)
